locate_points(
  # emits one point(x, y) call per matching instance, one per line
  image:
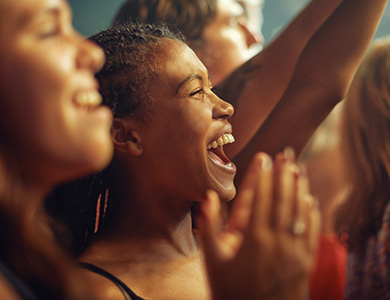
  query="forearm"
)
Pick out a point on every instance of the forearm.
point(320, 81)
point(257, 86)
point(334, 53)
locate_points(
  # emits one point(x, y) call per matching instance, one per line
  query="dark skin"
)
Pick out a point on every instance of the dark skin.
point(153, 232)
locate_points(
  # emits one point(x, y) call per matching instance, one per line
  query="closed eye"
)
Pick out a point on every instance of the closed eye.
point(196, 92)
point(49, 33)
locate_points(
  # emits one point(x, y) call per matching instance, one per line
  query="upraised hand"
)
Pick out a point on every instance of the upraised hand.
point(267, 248)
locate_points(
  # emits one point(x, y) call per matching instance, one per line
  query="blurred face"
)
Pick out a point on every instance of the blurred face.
point(50, 113)
point(230, 40)
point(183, 140)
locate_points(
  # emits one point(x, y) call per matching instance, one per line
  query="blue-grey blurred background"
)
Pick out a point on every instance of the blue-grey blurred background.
point(92, 16)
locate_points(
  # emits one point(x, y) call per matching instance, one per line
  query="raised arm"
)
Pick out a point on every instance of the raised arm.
point(258, 85)
point(320, 80)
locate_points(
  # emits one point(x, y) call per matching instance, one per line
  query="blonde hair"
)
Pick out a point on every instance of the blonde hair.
point(366, 146)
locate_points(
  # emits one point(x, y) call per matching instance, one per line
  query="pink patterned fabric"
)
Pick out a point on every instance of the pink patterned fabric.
point(369, 277)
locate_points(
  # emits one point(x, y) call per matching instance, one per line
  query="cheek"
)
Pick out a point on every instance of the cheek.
point(41, 117)
point(183, 131)
point(40, 102)
point(234, 45)
point(223, 53)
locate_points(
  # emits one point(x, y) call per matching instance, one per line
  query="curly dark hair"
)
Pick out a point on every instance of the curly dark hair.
point(189, 16)
point(131, 62)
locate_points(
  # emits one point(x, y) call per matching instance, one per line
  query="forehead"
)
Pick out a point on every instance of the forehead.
point(177, 61)
point(230, 7)
point(21, 11)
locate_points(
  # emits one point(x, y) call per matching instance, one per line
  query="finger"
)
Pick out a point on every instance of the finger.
point(288, 154)
point(208, 222)
point(300, 209)
point(286, 195)
point(313, 218)
point(262, 202)
point(242, 204)
point(284, 188)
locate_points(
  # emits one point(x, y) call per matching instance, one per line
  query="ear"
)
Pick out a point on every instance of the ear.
point(125, 136)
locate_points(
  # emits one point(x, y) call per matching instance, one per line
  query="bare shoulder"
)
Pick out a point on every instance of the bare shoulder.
point(100, 287)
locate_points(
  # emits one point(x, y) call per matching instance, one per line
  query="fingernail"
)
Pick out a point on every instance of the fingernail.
point(302, 170)
point(311, 201)
point(266, 164)
point(294, 169)
point(289, 153)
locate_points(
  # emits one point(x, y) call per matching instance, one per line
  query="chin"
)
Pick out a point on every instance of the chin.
point(227, 195)
point(91, 162)
point(102, 159)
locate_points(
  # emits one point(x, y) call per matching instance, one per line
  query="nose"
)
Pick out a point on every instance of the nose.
point(90, 55)
point(252, 36)
point(222, 109)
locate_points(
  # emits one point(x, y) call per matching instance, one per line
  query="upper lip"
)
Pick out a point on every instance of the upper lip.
point(226, 130)
point(88, 85)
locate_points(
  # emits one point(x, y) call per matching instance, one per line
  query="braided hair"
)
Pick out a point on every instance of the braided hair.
point(131, 63)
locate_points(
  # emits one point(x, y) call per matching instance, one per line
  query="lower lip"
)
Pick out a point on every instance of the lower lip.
point(228, 168)
point(97, 116)
point(102, 112)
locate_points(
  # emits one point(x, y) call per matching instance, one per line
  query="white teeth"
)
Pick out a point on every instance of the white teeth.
point(88, 98)
point(225, 139)
point(222, 140)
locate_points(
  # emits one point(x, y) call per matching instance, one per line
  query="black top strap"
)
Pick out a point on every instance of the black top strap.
point(126, 291)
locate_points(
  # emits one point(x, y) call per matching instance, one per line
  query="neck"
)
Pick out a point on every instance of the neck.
point(145, 219)
point(26, 191)
point(34, 194)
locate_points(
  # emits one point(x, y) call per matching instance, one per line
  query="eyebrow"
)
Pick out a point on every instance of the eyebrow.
point(189, 78)
point(51, 9)
point(240, 10)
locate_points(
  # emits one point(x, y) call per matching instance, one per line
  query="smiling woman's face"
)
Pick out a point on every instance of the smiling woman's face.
point(229, 40)
point(184, 137)
point(50, 114)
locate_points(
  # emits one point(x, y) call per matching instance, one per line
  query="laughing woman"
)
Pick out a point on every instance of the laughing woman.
point(51, 130)
point(169, 132)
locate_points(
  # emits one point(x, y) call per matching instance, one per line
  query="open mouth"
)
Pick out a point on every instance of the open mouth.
point(87, 99)
point(216, 153)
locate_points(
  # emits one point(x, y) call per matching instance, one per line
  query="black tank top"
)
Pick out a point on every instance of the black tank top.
point(126, 291)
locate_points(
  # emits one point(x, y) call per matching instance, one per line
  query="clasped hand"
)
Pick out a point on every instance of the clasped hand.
point(266, 249)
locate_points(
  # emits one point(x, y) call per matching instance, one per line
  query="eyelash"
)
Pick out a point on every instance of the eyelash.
point(196, 92)
point(49, 33)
